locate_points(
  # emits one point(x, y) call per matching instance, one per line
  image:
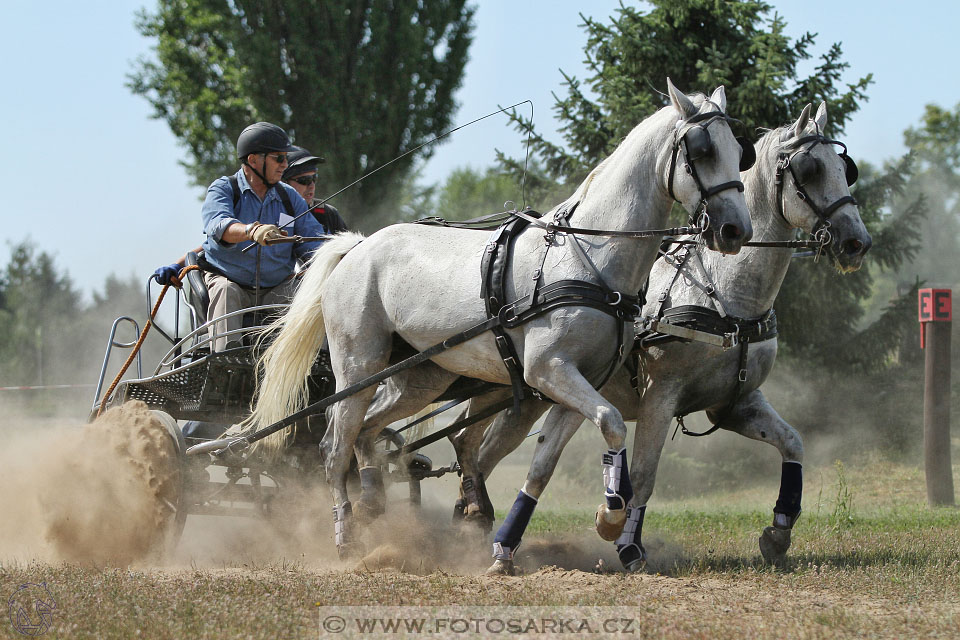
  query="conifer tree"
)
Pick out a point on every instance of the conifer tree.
point(700, 44)
point(356, 81)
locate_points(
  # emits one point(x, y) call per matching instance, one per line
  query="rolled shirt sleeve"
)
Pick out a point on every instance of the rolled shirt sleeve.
point(217, 212)
point(269, 265)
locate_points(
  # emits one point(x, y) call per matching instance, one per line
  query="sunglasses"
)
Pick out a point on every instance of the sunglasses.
point(281, 158)
point(306, 180)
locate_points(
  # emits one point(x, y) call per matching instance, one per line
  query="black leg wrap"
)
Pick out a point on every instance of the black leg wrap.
point(458, 508)
point(791, 491)
point(629, 547)
point(371, 480)
point(511, 531)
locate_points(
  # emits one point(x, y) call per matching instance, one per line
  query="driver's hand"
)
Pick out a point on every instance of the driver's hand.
point(264, 233)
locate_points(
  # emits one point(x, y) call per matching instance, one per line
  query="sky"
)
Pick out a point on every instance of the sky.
point(110, 196)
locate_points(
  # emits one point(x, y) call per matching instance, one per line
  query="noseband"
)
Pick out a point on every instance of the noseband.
point(787, 160)
point(690, 165)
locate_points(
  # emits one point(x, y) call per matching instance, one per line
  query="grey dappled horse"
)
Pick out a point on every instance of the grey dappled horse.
point(678, 378)
point(422, 283)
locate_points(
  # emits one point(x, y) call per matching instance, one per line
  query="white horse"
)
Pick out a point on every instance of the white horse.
point(677, 378)
point(422, 284)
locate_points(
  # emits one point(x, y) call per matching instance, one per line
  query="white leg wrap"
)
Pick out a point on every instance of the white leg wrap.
point(630, 528)
point(614, 476)
point(340, 514)
point(783, 521)
point(501, 552)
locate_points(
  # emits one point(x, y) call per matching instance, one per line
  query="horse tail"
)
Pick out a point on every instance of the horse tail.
point(285, 366)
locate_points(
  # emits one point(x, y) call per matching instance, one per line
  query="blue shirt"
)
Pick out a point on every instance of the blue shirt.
point(277, 262)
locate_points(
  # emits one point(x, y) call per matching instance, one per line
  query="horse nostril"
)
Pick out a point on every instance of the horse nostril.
point(730, 232)
point(852, 247)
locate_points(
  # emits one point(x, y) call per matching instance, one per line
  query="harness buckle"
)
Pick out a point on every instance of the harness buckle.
point(662, 297)
point(536, 275)
point(743, 375)
point(618, 300)
point(710, 289)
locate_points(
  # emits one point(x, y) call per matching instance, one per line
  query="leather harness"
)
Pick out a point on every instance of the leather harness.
point(543, 299)
point(714, 321)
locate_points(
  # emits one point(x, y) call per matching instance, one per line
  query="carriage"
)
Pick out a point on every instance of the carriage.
point(197, 394)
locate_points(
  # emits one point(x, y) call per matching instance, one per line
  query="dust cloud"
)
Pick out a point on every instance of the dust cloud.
point(98, 493)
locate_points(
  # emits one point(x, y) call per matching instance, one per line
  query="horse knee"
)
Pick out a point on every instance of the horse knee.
point(612, 427)
point(792, 449)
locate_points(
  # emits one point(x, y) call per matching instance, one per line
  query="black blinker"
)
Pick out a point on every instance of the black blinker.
point(748, 153)
point(698, 143)
point(851, 169)
point(804, 168)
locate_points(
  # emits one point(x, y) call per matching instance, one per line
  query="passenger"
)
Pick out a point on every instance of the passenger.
point(301, 174)
point(245, 208)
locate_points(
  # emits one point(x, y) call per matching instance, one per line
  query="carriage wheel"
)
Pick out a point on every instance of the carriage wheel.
point(178, 503)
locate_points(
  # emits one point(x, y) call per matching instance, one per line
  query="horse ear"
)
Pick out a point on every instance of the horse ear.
point(719, 98)
point(821, 118)
point(681, 102)
point(797, 129)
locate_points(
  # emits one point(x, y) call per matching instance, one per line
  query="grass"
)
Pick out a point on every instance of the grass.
point(869, 559)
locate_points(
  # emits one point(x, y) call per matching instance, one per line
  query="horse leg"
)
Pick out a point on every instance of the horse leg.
point(346, 417)
point(753, 417)
point(559, 427)
point(566, 385)
point(653, 423)
point(507, 432)
point(403, 395)
point(474, 504)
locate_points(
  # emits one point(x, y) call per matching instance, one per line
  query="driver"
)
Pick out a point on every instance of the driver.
point(248, 208)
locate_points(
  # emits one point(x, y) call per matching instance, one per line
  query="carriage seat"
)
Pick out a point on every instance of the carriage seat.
point(196, 291)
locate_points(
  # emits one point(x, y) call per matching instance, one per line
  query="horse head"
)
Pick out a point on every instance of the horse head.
point(813, 185)
point(704, 174)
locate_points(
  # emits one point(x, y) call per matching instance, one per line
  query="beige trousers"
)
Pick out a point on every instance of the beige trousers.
point(227, 296)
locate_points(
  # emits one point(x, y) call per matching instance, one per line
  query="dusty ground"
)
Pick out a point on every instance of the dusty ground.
point(869, 559)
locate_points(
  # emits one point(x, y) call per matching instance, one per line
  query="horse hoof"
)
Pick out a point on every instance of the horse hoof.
point(475, 516)
point(774, 543)
point(610, 522)
point(502, 568)
point(366, 511)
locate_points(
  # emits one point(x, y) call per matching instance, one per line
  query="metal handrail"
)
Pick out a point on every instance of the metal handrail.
point(171, 358)
point(111, 342)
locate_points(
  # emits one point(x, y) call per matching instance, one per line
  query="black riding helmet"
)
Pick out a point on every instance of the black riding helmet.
point(263, 137)
point(299, 160)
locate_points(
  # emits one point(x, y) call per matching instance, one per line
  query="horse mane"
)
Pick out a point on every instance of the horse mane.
point(577, 197)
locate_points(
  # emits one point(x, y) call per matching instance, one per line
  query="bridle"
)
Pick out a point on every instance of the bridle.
point(693, 136)
point(804, 168)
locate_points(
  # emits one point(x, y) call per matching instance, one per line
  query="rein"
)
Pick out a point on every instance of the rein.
point(785, 161)
point(690, 166)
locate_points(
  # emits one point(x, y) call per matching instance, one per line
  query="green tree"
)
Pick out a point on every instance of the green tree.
point(356, 81)
point(40, 305)
point(700, 44)
point(936, 144)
